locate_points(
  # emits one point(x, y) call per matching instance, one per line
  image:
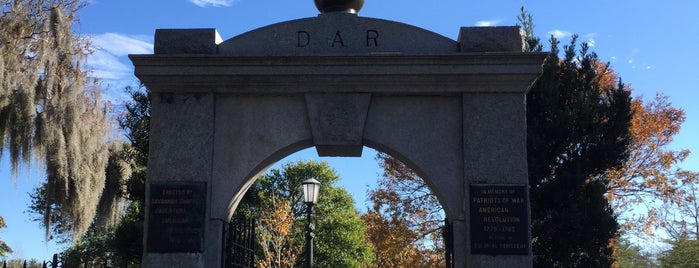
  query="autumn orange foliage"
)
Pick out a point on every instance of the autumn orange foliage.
point(275, 236)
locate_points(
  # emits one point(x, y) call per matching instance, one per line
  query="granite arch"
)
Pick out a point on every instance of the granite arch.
point(223, 111)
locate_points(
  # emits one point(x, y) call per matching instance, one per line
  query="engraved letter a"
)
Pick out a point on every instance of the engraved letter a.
point(338, 40)
point(303, 38)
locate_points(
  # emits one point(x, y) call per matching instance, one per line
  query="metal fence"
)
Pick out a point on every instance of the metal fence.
point(59, 261)
point(448, 234)
point(240, 243)
point(53, 263)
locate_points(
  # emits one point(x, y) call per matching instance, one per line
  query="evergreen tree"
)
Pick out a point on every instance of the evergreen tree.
point(631, 256)
point(578, 128)
point(127, 239)
point(683, 254)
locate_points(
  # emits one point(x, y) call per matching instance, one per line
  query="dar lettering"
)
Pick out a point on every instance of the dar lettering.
point(371, 39)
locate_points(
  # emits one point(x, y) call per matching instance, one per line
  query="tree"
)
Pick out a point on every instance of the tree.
point(280, 244)
point(650, 178)
point(61, 224)
point(631, 256)
point(340, 234)
point(50, 111)
point(406, 220)
point(683, 254)
point(394, 243)
point(126, 176)
point(135, 121)
point(566, 135)
point(578, 115)
point(127, 241)
point(680, 218)
point(531, 42)
point(577, 130)
point(122, 199)
point(4, 248)
point(90, 251)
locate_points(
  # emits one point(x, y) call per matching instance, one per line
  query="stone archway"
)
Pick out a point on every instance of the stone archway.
point(224, 111)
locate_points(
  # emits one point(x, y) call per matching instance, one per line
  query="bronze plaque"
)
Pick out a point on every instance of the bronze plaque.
point(176, 217)
point(499, 219)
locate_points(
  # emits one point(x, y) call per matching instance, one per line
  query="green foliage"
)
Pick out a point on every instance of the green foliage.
point(59, 225)
point(126, 240)
point(631, 256)
point(4, 248)
point(682, 255)
point(136, 123)
point(578, 127)
point(339, 240)
point(531, 42)
point(340, 233)
point(91, 251)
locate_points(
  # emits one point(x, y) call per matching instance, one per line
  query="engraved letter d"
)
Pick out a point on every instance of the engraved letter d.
point(303, 38)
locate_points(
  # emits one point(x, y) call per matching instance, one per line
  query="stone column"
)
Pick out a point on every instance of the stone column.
point(495, 155)
point(178, 229)
point(177, 232)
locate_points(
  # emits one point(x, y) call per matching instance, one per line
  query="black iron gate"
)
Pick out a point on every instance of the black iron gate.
point(240, 243)
point(448, 235)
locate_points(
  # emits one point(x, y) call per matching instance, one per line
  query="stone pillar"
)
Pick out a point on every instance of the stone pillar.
point(178, 231)
point(495, 155)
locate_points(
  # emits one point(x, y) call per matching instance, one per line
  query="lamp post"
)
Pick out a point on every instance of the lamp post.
point(310, 197)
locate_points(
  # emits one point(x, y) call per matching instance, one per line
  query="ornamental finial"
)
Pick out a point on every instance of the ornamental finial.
point(345, 6)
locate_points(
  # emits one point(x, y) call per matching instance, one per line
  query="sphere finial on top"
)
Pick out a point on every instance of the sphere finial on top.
point(346, 6)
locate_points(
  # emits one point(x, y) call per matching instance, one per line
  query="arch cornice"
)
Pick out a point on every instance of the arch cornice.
point(497, 72)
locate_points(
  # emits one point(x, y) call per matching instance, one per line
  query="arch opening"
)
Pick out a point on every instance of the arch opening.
point(365, 180)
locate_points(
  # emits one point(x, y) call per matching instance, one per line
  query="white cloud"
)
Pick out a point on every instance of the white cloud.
point(109, 63)
point(486, 23)
point(591, 42)
point(590, 39)
point(213, 3)
point(122, 45)
point(107, 66)
point(560, 34)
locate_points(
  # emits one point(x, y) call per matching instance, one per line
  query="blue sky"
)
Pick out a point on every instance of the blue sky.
point(651, 44)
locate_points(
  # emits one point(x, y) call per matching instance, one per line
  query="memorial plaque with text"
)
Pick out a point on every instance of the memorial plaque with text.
point(176, 217)
point(499, 222)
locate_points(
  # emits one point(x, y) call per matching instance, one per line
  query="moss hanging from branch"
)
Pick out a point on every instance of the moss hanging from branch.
point(51, 112)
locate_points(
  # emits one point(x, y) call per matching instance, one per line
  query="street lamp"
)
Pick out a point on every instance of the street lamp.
point(310, 197)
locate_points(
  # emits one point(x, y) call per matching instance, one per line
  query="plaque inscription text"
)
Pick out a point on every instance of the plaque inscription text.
point(176, 217)
point(499, 223)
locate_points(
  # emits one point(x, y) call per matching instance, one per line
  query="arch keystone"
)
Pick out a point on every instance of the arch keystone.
point(337, 122)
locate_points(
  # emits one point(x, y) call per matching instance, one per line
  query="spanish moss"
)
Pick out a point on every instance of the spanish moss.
point(51, 112)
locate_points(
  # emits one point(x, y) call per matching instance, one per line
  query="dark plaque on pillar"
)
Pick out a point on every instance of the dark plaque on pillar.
point(176, 217)
point(499, 222)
